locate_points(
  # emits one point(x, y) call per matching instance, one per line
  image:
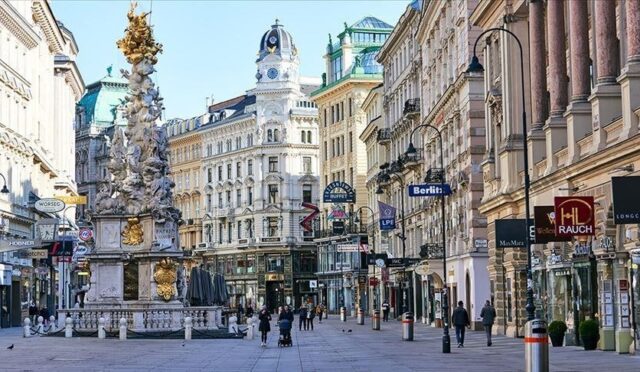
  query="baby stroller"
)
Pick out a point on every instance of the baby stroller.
point(285, 333)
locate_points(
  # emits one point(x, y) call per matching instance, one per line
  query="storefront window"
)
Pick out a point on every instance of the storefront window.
point(251, 265)
point(308, 263)
point(560, 296)
point(275, 264)
point(240, 265)
point(229, 268)
point(584, 291)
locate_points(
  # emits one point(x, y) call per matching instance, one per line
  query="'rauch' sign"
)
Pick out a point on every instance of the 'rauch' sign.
point(574, 215)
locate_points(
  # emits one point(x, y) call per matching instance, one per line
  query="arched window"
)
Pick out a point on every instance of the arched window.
point(308, 136)
point(269, 135)
point(303, 138)
point(276, 135)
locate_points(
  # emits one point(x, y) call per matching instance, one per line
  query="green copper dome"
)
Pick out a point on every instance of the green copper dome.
point(101, 99)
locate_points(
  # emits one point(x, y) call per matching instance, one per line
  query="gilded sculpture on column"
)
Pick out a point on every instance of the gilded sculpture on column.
point(165, 277)
point(132, 234)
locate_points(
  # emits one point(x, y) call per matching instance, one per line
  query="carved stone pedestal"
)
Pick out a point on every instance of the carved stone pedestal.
point(133, 264)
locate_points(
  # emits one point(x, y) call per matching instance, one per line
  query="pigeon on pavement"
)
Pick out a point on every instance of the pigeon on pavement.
point(10, 347)
point(349, 331)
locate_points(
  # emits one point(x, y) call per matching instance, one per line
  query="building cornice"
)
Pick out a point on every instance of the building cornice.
point(17, 25)
point(398, 35)
point(47, 21)
point(71, 73)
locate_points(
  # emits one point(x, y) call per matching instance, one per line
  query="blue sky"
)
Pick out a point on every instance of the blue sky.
point(210, 46)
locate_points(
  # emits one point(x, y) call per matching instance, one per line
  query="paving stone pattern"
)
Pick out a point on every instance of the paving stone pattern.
point(326, 349)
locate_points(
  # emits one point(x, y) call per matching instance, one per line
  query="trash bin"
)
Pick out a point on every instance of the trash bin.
point(375, 320)
point(343, 314)
point(407, 326)
point(536, 341)
point(360, 317)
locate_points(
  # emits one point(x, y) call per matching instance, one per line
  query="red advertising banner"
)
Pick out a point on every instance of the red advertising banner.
point(574, 216)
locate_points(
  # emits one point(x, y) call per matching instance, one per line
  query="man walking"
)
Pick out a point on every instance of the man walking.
point(385, 311)
point(460, 319)
point(488, 315)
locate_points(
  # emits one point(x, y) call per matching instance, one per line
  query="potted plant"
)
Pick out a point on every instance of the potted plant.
point(589, 334)
point(557, 329)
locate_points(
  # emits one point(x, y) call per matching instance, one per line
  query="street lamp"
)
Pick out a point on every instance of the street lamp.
point(357, 220)
point(475, 66)
point(4, 190)
point(411, 152)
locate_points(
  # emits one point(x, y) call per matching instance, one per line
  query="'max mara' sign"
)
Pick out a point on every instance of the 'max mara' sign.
point(574, 216)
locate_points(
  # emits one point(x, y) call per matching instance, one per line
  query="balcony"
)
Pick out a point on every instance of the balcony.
point(384, 136)
point(413, 160)
point(431, 251)
point(411, 108)
point(434, 175)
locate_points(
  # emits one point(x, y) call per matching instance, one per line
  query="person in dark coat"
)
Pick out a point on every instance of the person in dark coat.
point(264, 326)
point(460, 319)
point(286, 313)
point(302, 315)
point(385, 311)
point(249, 311)
point(488, 315)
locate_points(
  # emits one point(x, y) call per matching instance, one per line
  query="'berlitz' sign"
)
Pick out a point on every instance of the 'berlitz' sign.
point(430, 189)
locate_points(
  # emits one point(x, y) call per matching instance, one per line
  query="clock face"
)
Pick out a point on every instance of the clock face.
point(380, 262)
point(273, 40)
point(47, 232)
point(272, 73)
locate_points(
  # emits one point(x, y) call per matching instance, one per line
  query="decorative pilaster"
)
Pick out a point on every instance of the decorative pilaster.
point(578, 115)
point(630, 78)
point(537, 66)
point(605, 98)
point(555, 128)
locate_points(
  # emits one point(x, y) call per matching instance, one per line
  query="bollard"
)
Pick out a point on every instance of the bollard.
point(52, 324)
point(407, 326)
point(375, 320)
point(188, 328)
point(123, 329)
point(101, 333)
point(250, 329)
point(343, 314)
point(536, 346)
point(68, 327)
point(40, 326)
point(27, 327)
point(233, 324)
point(360, 317)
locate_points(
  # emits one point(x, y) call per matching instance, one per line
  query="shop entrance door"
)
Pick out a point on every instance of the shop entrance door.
point(275, 296)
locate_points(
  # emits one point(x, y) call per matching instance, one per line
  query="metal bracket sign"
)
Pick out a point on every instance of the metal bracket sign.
point(339, 192)
point(397, 262)
point(7, 245)
point(430, 189)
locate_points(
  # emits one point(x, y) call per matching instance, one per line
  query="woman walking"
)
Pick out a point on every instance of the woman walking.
point(310, 315)
point(265, 326)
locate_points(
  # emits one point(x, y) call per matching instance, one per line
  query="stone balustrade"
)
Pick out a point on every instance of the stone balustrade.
point(145, 319)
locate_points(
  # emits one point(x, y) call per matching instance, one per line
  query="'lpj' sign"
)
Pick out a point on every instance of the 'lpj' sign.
point(430, 189)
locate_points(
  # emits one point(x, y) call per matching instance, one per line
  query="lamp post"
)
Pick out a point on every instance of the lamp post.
point(411, 152)
point(4, 189)
point(403, 238)
point(358, 220)
point(475, 66)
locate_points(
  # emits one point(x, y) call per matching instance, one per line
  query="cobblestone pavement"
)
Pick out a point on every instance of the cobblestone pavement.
point(326, 349)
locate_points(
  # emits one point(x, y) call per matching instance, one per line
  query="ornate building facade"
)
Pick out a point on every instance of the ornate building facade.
point(351, 72)
point(583, 131)
point(260, 163)
point(39, 86)
point(451, 101)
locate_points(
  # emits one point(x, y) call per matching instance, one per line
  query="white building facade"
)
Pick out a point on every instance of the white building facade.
point(260, 163)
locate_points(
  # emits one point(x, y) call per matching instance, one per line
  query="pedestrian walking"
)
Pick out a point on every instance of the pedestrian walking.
point(265, 325)
point(310, 315)
point(488, 315)
point(460, 319)
point(286, 313)
point(302, 315)
point(320, 311)
point(385, 311)
point(240, 312)
point(249, 311)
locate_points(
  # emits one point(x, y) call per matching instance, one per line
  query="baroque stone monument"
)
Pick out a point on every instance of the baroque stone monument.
point(133, 262)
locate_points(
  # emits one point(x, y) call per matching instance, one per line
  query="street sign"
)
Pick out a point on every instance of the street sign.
point(347, 248)
point(35, 254)
point(7, 245)
point(397, 262)
point(49, 205)
point(313, 284)
point(82, 199)
point(430, 189)
point(85, 234)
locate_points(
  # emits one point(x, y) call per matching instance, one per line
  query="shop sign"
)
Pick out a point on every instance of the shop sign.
point(545, 225)
point(338, 227)
point(374, 259)
point(313, 284)
point(606, 243)
point(398, 262)
point(49, 205)
point(387, 216)
point(626, 204)
point(16, 244)
point(510, 233)
point(362, 280)
point(581, 249)
point(623, 284)
point(34, 254)
point(562, 272)
point(635, 255)
point(430, 189)
point(339, 192)
point(347, 248)
point(82, 199)
point(574, 216)
point(373, 282)
point(555, 259)
point(480, 244)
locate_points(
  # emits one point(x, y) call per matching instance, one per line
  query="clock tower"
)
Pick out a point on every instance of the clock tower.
point(278, 63)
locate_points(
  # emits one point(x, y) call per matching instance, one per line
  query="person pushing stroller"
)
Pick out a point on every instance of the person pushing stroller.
point(286, 319)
